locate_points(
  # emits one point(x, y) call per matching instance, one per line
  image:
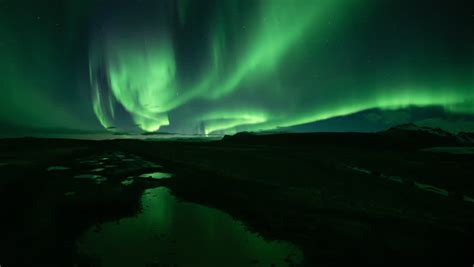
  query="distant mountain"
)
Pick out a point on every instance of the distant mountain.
point(411, 128)
point(466, 137)
point(239, 136)
point(427, 136)
point(404, 136)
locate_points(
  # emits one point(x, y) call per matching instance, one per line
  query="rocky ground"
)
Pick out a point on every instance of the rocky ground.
point(338, 202)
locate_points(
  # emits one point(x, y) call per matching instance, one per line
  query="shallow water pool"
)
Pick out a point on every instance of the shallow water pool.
point(170, 232)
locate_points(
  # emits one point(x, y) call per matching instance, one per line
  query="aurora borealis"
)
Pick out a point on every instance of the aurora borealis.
point(214, 67)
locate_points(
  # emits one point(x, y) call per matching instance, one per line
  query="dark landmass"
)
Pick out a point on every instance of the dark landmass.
point(343, 198)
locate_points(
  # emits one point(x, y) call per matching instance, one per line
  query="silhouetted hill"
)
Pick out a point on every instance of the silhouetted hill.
point(466, 137)
point(411, 128)
point(401, 136)
point(421, 136)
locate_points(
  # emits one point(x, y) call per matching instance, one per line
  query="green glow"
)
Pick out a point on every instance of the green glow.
point(281, 24)
point(216, 67)
point(216, 238)
point(268, 77)
point(142, 79)
point(99, 110)
point(454, 100)
point(28, 95)
point(223, 121)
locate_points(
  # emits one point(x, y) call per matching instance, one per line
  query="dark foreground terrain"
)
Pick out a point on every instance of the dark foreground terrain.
point(343, 199)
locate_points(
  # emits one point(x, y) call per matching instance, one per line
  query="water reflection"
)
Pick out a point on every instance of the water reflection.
point(156, 175)
point(57, 168)
point(173, 232)
point(431, 188)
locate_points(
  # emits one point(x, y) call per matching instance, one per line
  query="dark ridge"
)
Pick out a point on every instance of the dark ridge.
point(401, 136)
point(466, 137)
point(421, 136)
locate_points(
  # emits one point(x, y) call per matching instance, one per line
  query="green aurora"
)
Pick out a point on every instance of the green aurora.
point(143, 75)
point(215, 67)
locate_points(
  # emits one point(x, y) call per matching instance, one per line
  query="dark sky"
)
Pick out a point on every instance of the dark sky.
point(225, 66)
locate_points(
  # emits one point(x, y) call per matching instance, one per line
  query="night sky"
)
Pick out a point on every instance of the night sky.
point(223, 66)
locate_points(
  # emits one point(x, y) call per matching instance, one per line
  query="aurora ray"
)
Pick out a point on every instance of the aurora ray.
point(228, 66)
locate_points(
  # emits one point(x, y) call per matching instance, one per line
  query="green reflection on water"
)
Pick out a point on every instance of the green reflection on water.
point(174, 232)
point(156, 175)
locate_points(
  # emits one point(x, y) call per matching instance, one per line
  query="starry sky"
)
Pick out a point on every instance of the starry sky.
point(219, 67)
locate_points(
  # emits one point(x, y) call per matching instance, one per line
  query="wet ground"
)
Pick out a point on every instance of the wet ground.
point(169, 232)
point(71, 202)
point(166, 231)
point(414, 183)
